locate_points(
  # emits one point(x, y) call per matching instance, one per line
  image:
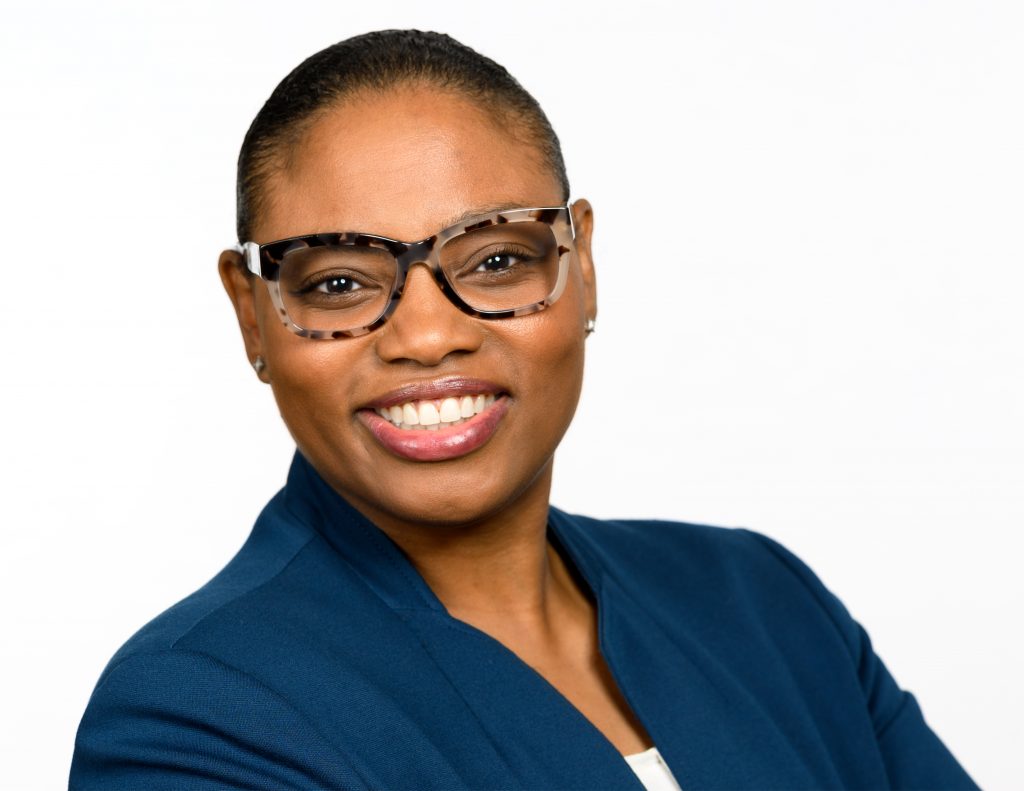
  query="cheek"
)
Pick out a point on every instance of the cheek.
point(311, 379)
point(561, 364)
point(550, 356)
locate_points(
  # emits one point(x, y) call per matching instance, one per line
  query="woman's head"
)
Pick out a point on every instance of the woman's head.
point(405, 159)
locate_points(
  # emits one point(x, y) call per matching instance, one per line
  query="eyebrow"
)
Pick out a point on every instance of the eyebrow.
point(476, 211)
point(489, 208)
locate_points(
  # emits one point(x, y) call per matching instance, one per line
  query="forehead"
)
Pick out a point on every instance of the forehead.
point(403, 164)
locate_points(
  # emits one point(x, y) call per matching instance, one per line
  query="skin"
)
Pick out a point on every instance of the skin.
point(405, 164)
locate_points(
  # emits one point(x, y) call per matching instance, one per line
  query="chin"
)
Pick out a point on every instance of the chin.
point(452, 502)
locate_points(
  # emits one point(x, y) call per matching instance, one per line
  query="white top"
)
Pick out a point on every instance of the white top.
point(652, 770)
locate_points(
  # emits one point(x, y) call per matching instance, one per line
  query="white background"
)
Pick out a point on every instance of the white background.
point(828, 197)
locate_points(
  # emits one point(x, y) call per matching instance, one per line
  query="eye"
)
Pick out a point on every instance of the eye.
point(498, 262)
point(337, 285)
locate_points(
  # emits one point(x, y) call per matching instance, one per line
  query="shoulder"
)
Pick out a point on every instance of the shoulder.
point(702, 551)
point(742, 602)
point(177, 706)
point(276, 540)
point(175, 718)
point(712, 570)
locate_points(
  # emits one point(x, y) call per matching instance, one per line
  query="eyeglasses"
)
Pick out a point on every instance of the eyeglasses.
point(492, 266)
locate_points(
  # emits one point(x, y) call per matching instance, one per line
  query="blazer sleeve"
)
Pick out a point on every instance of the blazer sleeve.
point(914, 756)
point(183, 720)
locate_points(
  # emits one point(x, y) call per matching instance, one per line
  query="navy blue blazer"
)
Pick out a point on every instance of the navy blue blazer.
point(319, 658)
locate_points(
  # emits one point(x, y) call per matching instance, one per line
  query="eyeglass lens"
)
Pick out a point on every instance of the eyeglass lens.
point(347, 285)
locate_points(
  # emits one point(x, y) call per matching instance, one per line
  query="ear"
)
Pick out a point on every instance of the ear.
point(583, 222)
point(240, 285)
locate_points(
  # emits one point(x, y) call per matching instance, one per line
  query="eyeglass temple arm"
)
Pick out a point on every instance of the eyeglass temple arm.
point(250, 252)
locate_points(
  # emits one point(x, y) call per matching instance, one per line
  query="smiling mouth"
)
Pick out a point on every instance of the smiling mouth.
point(436, 414)
point(435, 429)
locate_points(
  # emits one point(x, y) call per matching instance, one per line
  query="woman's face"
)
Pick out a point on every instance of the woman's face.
point(405, 165)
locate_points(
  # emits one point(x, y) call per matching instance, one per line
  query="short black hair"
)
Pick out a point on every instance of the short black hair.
point(380, 60)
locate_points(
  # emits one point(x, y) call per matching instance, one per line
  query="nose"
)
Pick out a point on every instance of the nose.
point(426, 328)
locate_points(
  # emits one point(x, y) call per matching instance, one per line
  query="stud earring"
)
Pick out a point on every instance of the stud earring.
point(259, 364)
point(589, 326)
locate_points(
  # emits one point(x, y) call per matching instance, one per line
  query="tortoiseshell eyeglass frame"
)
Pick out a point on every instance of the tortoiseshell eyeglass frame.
point(265, 260)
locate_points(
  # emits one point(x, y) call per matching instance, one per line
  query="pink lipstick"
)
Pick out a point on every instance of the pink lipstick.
point(436, 419)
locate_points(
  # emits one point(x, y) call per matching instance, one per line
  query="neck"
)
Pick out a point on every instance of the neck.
point(500, 568)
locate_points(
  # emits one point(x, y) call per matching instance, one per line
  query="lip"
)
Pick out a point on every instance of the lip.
point(440, 445)
point(448, 387)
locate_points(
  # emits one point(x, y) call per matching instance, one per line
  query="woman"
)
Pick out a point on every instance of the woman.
point(410, 612)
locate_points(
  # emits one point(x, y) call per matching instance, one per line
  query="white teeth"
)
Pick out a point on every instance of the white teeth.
point(450, 410)
point(434, 414)
point(428, 414)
